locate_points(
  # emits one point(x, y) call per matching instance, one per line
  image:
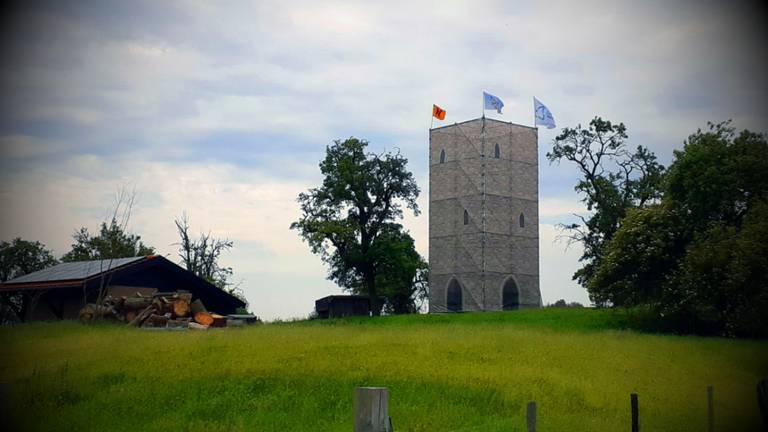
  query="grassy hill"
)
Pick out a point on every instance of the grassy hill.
point(445, 372)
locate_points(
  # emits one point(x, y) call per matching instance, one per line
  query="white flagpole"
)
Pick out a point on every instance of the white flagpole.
point(432, 118)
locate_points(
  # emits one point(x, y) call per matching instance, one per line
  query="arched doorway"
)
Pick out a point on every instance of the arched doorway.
point(454, 300)
point(510, 296)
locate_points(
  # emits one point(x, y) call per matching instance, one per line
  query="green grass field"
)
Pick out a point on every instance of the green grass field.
point(468, 372)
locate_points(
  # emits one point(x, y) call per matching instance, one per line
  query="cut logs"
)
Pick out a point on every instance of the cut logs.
point(141, 317)
point(195, 326)
point(204, 318)
point(136, 303)
point(181, 308)
point(93, 311)
point(174, 310)
point(197, 306)
point(218, 320)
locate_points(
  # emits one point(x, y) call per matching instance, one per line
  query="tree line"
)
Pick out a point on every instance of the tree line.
point(686, 245)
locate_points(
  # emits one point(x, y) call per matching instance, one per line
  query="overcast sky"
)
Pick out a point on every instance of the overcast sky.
point(223, 110)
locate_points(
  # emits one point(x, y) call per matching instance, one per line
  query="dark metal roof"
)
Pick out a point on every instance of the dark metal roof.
point(344, 297)
point(73, 270)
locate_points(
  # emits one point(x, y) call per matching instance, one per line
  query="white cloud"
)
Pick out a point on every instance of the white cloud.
point(560, 207)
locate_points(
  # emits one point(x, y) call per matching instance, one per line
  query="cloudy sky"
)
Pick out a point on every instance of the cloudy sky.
point(223, 110)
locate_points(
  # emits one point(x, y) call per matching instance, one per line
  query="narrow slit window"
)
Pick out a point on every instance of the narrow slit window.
point(442, 156)
point(522, 221)
point(496, 152)
point(466, 217)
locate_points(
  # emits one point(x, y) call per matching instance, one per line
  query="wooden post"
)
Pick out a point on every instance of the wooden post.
point(5, 410)
point(762, 400)
point(710, 409)
point(371, 409)
point(531, 416)
point(635, 413)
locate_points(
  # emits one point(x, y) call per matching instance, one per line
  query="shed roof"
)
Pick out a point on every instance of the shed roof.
point(74, 270)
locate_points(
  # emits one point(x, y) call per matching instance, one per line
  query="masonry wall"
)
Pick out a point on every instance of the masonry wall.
point(488, 251)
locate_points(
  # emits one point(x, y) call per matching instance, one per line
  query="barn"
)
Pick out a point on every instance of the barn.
point(58, 292)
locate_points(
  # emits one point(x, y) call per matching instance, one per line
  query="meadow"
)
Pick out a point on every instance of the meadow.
point(465, 372)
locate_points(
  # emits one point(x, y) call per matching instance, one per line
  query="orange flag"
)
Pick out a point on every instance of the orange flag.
point(438, 112)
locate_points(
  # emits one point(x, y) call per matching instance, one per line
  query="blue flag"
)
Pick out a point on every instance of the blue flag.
point(542, 114)
point(492, 102)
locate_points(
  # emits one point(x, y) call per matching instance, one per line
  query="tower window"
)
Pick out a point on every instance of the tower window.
point(522, 221)
point(496, 152)
point(442, 156)
point(466, 217)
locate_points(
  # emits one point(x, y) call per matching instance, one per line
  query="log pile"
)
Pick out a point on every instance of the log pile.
point(174, 310)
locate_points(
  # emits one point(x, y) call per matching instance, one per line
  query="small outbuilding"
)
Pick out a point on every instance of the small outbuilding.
point(337, 306)
point(59, 292)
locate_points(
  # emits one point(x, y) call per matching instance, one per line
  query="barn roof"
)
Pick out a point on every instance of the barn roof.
point(74, 270)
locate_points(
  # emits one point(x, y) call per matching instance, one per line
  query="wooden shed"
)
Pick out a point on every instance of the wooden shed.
point(337, 306)
point(60, 291)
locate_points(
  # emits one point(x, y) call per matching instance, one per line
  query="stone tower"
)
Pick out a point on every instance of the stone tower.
point(483, 216)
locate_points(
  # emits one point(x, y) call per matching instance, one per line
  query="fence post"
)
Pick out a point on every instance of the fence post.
point(635, 413)
point(371, 410)
point(762, 400)
point(531, 416)
point(710, 409)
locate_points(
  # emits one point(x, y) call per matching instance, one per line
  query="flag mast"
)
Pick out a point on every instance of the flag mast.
point(482, 213)
point(482, 203)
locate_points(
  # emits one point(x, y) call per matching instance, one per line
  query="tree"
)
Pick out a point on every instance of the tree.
point(699, 257)
point(563, 304)
point(348, 220)
point(613, 180)
point(401, 279)
point(721, 285)
point(18, 258)
point(638, 259)
point(718, 176)
point(201, 256)
point(112, 242)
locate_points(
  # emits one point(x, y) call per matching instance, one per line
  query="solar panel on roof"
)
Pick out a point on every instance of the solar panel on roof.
point(74, 270)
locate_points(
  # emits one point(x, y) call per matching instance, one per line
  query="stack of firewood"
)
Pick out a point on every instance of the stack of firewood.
point(161, 310)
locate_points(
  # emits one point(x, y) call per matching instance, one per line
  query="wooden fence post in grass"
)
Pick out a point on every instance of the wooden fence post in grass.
point(762, 400)
point(531, 416)
point(635, 413)
point(710, 409)
point(372, 410)
point(5, 409)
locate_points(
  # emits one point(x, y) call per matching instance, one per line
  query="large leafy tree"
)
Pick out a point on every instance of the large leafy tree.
point(17, 258)
point(637, 261)
point(348, 220)
point(699, 257)
point(112, 242)
point(401, 279)
point(613, 179)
